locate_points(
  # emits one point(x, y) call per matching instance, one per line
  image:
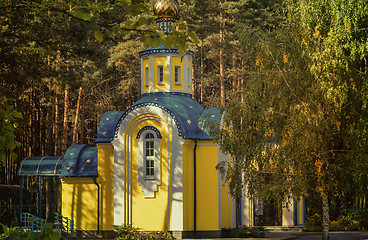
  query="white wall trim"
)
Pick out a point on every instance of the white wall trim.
point(175, 214)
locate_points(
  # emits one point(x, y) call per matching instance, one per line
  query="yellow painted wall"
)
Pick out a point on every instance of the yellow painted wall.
point(79, 202)
point(145, 64)
point(190, 75)
point(177, 61)
point(188, 182)
point(105, 153)
point(160, 61)
point(79, 195)
point(226, 206)
point(207, 187)
point(150, 214)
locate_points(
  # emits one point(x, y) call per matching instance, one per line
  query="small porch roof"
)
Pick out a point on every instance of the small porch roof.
point(48, 166)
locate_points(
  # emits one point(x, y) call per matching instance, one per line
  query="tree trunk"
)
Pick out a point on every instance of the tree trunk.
point(222, 77)
point(234, 77)
point(202, 71)
point(325, 216)
point(56, 128)
point(82, 121)
point(241, 88)
point(49, 127)
point(77, 113)
point(49, 151)
point(66, 114)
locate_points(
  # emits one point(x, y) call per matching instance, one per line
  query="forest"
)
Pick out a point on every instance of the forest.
point(295, 71)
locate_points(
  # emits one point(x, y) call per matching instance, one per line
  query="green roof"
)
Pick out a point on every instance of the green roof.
point(40, 166)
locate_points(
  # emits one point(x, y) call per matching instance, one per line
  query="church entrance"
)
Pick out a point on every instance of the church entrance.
point(267, 213)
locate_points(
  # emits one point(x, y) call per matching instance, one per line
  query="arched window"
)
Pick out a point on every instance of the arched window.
point(149, 161)
point(149, 155)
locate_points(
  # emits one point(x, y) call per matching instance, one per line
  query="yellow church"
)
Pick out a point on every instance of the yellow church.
point(153, 166)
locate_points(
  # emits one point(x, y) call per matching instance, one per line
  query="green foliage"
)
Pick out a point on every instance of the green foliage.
point(127, 232)
point(244, 232)
point(345, 223)
point(349, 220)
point(359, 215)
point(313, 223)
point(9, 122)
point(16, 233)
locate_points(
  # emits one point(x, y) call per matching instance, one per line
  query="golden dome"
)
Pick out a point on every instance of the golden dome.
point(166, 9)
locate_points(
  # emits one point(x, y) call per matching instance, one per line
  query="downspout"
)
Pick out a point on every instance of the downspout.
point(98, 205)
point(195, 185)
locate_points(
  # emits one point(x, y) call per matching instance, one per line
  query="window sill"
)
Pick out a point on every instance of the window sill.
point(149, 178)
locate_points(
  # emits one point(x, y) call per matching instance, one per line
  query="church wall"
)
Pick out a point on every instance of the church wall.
point(79, 195)
point(190, 77)
point(177, 61)
point(105, 153)
point(150, 213)
point(157, 62)
point(207, 177)
point(145, 64)
point(168, 197)
point(207, 187)
point(79, 202)
point(188, 183)
point(227, 202)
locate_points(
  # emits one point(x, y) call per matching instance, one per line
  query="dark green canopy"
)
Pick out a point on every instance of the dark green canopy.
point(40, 166)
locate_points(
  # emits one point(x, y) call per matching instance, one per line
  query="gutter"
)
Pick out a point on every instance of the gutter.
point(98, 205)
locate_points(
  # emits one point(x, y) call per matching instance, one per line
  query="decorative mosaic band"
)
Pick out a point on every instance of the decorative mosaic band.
point(168, 93)
point(132, 108)
point(152, 128)
point(166, 50)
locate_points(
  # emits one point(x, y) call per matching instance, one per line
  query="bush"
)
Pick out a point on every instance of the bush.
point(313, 224)
point(47, 232)
point(349, 220)
point(360, 215)
point(344, 223)
point(244, 232)
point(128, 232)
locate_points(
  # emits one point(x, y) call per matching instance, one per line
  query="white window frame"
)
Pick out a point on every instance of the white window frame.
point(160, 74)
point(177, 75)
point(149, 155)
point(146, 76)
point(149, 182)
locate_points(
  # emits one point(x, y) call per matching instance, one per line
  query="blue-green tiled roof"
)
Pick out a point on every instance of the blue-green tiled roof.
point(210, 118)
point(40, 166)
point(107, 125)
point(184, 110)
point(80, 161)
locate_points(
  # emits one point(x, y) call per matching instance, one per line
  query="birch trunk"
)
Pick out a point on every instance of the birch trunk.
point(77, 117)
point(66, 114)
point(222, 77)
point(325, 216)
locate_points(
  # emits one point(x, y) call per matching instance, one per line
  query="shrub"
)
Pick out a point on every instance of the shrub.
point(349, 220)
point(344, 223)
point(47, 232)
point(360, 215)
point(313, 224)
point(244, 232)
point(128, 232)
